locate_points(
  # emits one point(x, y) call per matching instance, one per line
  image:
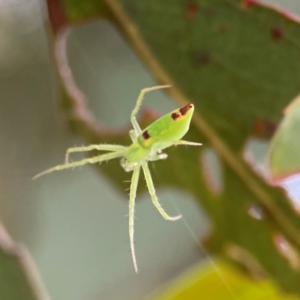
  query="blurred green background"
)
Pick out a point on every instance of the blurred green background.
point(74, 222)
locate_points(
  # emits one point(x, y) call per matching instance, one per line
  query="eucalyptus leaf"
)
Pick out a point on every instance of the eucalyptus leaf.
point(238, 62)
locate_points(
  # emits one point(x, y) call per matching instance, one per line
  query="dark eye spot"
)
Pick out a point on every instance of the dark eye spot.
point(183, 110)
point(175, 116)
point(146, 135)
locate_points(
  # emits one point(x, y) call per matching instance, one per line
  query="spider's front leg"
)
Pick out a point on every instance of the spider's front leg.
point(133, 135)
point(134, 122)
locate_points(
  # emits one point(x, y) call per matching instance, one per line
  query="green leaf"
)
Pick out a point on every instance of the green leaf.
point(238, 62)
point(18, 276)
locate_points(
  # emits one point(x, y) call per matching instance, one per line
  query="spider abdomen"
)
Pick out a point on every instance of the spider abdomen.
point(168, 129)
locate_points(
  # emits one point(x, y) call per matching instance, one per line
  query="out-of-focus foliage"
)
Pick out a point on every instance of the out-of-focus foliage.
point(18, 277)
point(207, 282)
point(285, 149)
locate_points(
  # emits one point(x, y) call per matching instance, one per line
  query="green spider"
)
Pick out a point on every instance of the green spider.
point(147, 145)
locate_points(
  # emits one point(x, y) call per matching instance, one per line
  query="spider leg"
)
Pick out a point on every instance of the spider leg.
point(134, 122)
point(82, 162)
point(182, 142)
point(152, 193)
point(104, 147)
point(133, 188)
point(133, 135)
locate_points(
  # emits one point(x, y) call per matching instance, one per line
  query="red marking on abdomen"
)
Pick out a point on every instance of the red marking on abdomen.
point(175, 116)
point(146, 135)
point(185, 109)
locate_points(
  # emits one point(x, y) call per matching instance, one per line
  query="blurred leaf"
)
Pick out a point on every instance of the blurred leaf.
point(204, 282)
point(238, 62)
point(18, 276)
point(284, 155)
